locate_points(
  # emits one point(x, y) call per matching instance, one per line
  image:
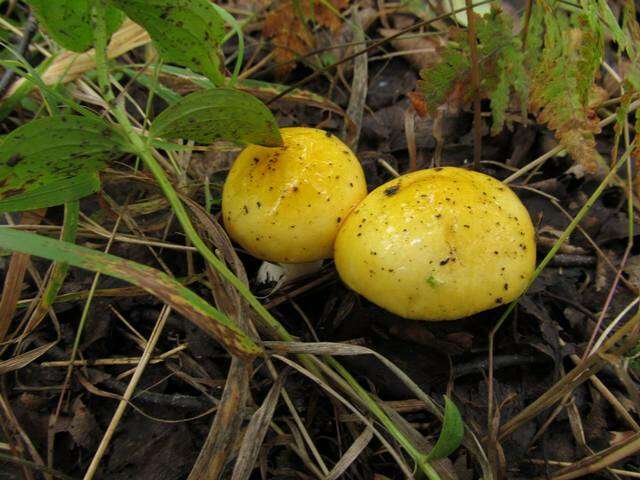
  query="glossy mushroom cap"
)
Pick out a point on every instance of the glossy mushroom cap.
point(286, 204)
point(438, 244)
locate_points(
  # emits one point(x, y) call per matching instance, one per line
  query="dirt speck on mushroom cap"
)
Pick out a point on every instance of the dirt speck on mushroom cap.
point(286, 204)
point(443, 246)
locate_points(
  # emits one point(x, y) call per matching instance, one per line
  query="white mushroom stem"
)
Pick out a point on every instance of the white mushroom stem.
point(283, 273)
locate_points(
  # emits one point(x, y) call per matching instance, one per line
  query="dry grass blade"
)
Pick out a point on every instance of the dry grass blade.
point(11, 291)
point(337, 349)
point(390, 449)
point(9, 424)
point(255, 433)
point(575, 377)
point(601, 460)
point(133, 383)
point(351, 455)
point(14, 278)
point(226, 424)
point(359, 87)
point(58, 270)
point(20, 361)
point(227, 298)
point(230, 302)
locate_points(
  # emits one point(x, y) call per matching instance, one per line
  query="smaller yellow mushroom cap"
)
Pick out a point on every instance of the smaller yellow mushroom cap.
point(286, 204)
point(438, 244)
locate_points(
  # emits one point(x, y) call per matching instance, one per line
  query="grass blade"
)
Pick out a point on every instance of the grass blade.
point(192, 306)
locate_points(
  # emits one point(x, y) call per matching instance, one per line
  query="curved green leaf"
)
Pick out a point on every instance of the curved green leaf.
point(451, 434)
point(69, 22)
point(185, 32)
point(218, 114)
point(153, 281)
point(52, 160)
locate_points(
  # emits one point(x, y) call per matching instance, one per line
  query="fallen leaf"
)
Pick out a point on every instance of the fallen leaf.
point(291, 33)
point(83, 426)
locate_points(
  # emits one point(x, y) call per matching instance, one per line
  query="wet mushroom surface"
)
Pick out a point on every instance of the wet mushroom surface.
point(286, 204)
point(438, 244)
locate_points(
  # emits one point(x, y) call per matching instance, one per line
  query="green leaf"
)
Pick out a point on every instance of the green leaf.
point(218, 114)
point(153, 281)
point(451, 434)
point(69, 22)
point(185, 32)
point(53, 160)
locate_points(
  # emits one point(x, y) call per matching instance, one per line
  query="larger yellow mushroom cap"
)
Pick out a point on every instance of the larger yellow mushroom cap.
point(286, 204)
point(438, 244)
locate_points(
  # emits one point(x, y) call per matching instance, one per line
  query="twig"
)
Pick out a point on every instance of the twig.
point(617, 471)
point(608, 301)
point(113, 361)
point(475, 85)
point(186, 402)
point(572, 260)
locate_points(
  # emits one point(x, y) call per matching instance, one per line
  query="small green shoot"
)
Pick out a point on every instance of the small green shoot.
point(452, 432)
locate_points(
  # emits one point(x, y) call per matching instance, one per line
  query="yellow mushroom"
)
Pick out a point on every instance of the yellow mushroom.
point(438, 244)
point(286, 204)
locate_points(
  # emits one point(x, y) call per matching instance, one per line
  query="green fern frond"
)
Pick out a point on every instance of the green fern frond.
point(505, 72)
point(501, 68)
point(535, 37)
point(439, 81)
point(563, 80)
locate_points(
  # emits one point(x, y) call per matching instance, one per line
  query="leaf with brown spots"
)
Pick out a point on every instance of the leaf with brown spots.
point(54, 160)
point(218, 114)
point(185, 32)
point(289, 25)
point(69, 22)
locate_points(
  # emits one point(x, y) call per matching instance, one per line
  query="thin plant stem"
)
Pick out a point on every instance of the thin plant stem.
point(475, 85)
